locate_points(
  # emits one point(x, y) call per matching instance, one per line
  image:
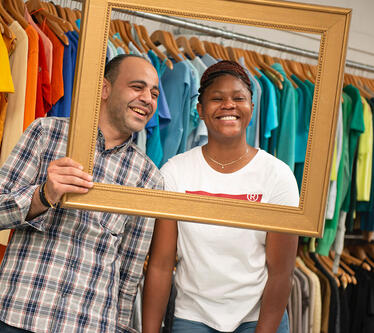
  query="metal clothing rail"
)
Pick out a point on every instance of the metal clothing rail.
point(217, 32)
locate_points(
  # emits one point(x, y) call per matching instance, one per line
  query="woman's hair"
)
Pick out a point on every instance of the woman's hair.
point(223, 67)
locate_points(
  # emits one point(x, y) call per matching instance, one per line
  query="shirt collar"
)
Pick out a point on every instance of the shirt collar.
point(100, 143)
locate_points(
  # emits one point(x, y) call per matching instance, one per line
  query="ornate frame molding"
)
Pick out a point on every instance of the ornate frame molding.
point(332, 24)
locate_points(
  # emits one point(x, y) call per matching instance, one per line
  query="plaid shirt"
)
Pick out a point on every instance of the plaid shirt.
point(71, 270)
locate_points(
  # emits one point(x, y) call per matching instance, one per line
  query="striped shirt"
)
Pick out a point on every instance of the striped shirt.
point(71, 270)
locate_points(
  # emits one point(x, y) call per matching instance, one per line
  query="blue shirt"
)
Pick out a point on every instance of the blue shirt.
point(63, 106)
point(180, 94)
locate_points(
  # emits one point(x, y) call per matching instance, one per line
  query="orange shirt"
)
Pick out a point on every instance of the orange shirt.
point(32, 76)
point(57, 81)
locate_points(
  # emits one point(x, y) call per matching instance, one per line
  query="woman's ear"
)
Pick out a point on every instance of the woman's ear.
point(106, 89)
point(199, 108)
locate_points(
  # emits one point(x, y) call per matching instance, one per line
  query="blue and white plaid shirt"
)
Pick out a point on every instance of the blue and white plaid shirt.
point(71, 270)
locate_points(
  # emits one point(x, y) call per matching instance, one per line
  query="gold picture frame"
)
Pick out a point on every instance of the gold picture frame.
point(332, 24)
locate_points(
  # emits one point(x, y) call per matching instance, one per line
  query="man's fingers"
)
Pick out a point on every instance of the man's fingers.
point(67, 162)
point(70, 171)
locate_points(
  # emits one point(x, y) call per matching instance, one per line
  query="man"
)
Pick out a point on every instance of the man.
point(71, 270)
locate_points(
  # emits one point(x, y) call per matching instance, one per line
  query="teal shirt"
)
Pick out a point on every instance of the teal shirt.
point(287, 121)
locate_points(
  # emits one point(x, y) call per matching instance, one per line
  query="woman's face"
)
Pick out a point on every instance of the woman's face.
point(226, 108)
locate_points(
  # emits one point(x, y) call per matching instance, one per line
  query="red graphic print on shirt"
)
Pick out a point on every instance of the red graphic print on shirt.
point(253, 197)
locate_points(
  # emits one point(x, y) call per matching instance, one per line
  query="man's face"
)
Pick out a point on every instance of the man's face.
point(131, 100)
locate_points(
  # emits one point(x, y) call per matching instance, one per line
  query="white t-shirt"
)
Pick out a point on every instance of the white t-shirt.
point(221, 271)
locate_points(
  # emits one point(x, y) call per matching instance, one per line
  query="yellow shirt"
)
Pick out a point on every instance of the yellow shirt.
point(6, 82)
point(365, 156)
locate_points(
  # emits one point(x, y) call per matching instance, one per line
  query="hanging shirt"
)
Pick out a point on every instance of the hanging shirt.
point(253, 127)
point(63, 106)
point(13, 126)
point(6, 81)
point(57, 81)
point(368, 206)
point(356, 128)
point(287, 121)
point(365, 155)
point(343, 181)
point(269, 111)
point(32, 76)
point(161, 118)
point(332, 193)
point(180, 94)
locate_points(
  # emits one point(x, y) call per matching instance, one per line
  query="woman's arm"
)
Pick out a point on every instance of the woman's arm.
point(159, 274)
point(280, 260)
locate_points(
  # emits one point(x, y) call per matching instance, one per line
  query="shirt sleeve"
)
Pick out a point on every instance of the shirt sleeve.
point(285, 191)
point(17, 180)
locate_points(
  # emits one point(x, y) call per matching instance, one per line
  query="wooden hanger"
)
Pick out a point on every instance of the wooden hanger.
point(344, 267)
point(327, 268)
point(161, 37)
point(270, 72)
point(223, 51)
point(183, 42)
point(174, 42)
point(349, 259)
point(258, 58)
point(10, 7)
point(56, 24)
point(359, 252)
point(70, 17)
point(118, 27)
point(210, 49)
point(141, 40)
point(78, 14)
point(117, 42)
point(233, 54)
point(144, 35)
point(5, 16)
point(287, 70)
point(248, 62)
point(128, 27)
point(6, 32)
point(197, 46)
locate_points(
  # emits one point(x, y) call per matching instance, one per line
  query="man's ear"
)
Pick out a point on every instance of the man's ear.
point(199, 108)
point(106, 89)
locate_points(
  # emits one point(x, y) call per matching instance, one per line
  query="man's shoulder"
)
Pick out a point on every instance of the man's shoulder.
point(147, 166)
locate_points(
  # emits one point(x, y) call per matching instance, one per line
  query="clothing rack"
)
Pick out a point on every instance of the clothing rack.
point(218, 32)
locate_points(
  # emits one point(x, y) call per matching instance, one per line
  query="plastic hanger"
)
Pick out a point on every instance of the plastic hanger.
point(160, 37)
point(197, 46)
point(184, 43)
point(10, 7)
point(144, 35)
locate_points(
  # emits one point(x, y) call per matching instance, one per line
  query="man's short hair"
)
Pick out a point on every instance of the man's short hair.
point(111, 68)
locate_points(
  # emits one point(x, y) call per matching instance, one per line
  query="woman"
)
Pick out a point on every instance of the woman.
point(227, 279)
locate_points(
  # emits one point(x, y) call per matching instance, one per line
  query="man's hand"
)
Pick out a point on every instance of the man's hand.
point(63, 176)
point(66, 176)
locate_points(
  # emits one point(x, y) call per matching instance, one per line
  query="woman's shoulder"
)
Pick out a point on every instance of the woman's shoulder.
point(270, 162)
point(183, 158)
